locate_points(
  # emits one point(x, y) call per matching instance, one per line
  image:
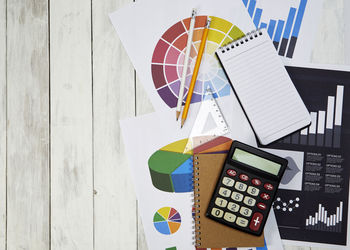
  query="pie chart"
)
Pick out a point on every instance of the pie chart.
point(169, 54)
point(171, 170)
point(167, 220)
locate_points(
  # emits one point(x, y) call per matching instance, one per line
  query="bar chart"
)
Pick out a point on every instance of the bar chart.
point(323, 221)
point(325, 127)
point(283, 32)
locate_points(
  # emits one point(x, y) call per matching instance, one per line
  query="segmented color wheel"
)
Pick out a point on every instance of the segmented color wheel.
point(169, 53)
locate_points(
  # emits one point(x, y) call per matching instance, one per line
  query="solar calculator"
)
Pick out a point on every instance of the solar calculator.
point(246, 188)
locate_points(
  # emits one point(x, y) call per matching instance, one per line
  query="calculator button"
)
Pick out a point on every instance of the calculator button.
point(237, 196)
point(220, 202)
point(268, 186)
point(217, 212)
point(230, 217)
point(233, 207)
point(256, 221)
point(224, 192)
point(241, 186)
point(249, 201)
point(253, 191)
point(265, 196)
point(243, 177)
point(261, 205)
point(256, 182)
point(228, 181)
point(231, 172)
point(245, 211)
point(242, 222)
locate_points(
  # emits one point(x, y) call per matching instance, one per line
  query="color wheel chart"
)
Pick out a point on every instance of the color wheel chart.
point(283, 32)
point(169, 53)
point(167, 220)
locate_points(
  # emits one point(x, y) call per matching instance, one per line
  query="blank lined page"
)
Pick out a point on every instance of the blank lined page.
point(263, 87)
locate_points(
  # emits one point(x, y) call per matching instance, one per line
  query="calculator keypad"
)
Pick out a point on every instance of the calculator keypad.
point(234, 207)
point(220, 202)
point(249, 201)
point(253, 191)
point(245, 211)
point(242, 222)
point(237, 196)
point(230, 217)
point(241, 186)
point(228, 182)
point(217, 212)
point(225, 192)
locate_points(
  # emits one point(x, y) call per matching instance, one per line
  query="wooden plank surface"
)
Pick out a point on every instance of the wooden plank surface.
point(71, 125)
point(28, 125)
point(114, 99)
point(3, 119)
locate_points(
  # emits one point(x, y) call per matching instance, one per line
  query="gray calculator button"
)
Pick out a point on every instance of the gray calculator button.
point(237, 196)
point(220, 202)
point(230, 217)
point(241, 186)
point(228, 182)
point(242, 222)
point(245, 211)
point(217, 212)
point(253, 191)
point(224, 192)
point(233, 207)
point(249, 201)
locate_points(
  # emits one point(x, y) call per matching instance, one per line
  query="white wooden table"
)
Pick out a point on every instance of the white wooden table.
point(65, 81)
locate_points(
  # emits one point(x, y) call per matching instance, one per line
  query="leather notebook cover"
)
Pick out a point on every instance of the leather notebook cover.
point(209, 233)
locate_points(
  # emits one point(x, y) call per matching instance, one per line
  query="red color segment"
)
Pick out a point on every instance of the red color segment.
point(158, 76)
point(160, 51)
point(256, 221)
point(174, 31)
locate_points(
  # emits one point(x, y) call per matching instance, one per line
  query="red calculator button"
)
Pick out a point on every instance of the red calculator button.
point(261, 205)
point(268, 186)
point(256, 221)
point(265, 196)
point(256, 182)
point(243, 177)
point(231, 172)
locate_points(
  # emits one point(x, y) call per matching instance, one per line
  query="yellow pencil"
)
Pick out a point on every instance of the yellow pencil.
point(195, 72)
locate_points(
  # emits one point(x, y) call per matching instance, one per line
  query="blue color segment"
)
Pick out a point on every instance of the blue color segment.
point(225, 91)
point(251, 7)
point(257, 17)
point(289, 23)
point(263, 25)
point(278, 33)
point(271, 28)
point(208, 84)
point(299, 18)
point(218, 82)
point(162, 227)
point(182, 177)
point(245, 2)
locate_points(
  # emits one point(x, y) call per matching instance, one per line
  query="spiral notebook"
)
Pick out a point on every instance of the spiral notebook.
point(263, 87)
point(209, 233)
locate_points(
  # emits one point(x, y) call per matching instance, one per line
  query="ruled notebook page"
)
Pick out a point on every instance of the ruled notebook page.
point(264, 88)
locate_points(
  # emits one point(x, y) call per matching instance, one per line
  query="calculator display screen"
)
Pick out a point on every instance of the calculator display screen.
point(256, 161)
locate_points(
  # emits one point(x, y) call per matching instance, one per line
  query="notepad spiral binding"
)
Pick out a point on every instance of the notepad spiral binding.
point(242, 40)
point(196, 207)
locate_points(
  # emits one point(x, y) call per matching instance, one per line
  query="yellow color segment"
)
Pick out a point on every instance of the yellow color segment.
point(211, 48)
point(235, 33)
point(227, 40)
point(220, 24)
point(215, 36)
point(164, 211)
point(178, 147)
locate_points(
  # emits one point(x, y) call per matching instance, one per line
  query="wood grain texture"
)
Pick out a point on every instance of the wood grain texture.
point(28, 125)
point(114, 99)
point(3, 119)
point(71, 125)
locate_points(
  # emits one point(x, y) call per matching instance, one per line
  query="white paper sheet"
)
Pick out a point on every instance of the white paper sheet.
point(141, 26)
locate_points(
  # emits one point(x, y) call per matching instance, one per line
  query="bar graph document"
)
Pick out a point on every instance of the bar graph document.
point(291, 24)
point(312, 204)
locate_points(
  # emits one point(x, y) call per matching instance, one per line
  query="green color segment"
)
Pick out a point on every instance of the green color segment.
point(161, 165)
point(157, 217)
point(236, 33)
point(170, 248)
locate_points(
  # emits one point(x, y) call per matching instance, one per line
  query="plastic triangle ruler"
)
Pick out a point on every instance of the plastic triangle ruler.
point(209, 124)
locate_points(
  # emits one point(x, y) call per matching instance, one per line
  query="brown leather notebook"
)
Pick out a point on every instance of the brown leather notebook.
point(209, 233)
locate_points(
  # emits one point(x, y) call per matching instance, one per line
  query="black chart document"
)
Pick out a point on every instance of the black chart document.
point(312, 202)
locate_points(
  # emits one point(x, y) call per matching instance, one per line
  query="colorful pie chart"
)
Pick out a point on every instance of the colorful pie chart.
point(169, 54)
point(167, 220)
point(171, 170)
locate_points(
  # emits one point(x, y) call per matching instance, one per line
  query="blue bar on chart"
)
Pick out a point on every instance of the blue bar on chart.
point(271, 28)
point(257, 17)
point(287, 31)
point(329, 121)
point(296, 29)
point(245, 2)
point(263, 25)
point(277, 38)
point(251, 7)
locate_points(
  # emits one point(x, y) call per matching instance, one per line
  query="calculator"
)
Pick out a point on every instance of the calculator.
point(246, 188)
